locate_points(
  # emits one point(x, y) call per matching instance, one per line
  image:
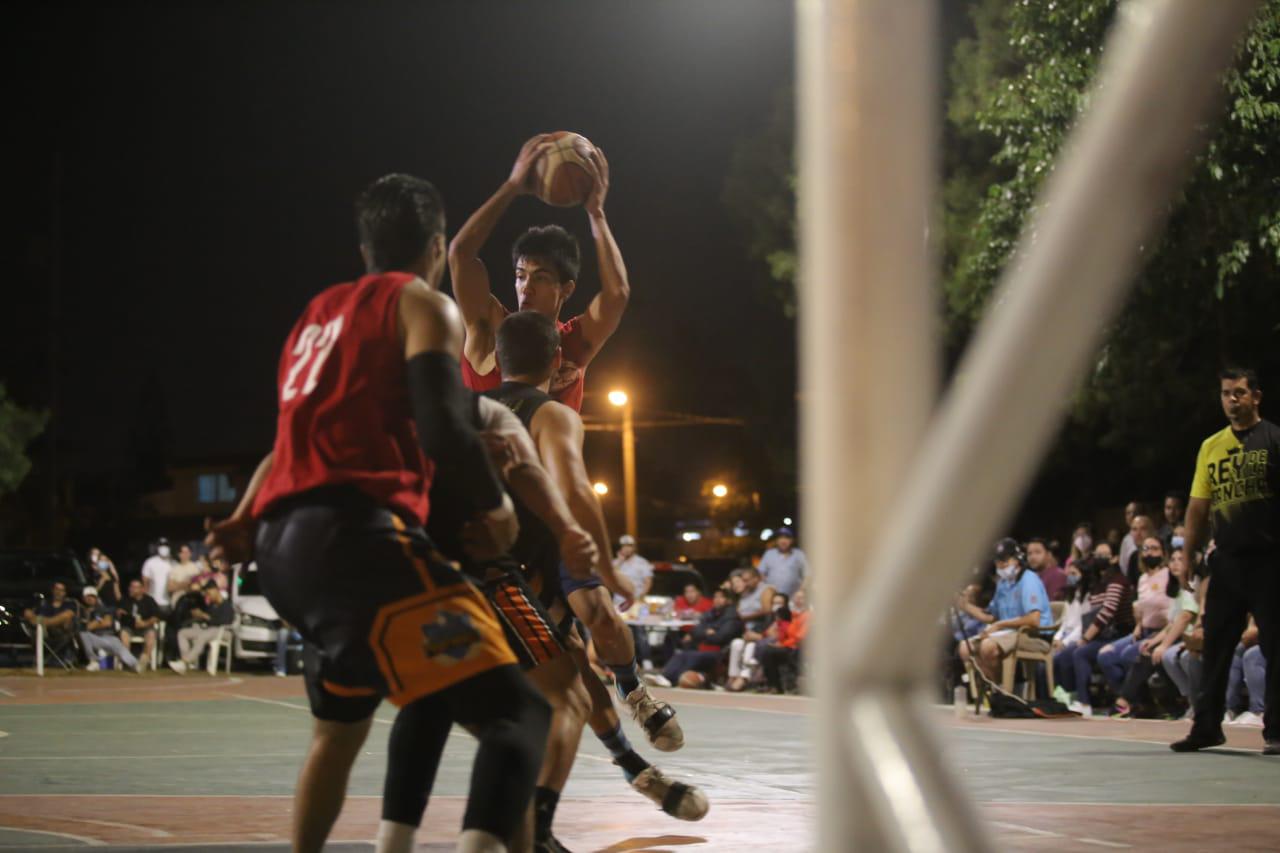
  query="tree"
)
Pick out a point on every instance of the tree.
point(1207, 294)
point(18, 427)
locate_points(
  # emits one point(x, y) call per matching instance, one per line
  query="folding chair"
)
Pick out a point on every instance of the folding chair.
point(40, 639)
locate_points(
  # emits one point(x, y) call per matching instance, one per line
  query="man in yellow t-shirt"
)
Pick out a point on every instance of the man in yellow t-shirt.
point(1236, 490)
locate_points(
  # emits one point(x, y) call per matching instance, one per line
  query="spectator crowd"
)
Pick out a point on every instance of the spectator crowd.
point(1119, 621)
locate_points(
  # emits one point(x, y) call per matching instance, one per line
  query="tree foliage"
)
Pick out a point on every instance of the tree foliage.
point(18, 427)
point(1207, 294)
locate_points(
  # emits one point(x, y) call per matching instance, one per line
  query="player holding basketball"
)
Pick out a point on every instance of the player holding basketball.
point(370, 408)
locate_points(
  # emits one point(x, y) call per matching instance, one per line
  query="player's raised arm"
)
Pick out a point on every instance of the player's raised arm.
point(558, 433)
point(441, 406)
point(481, 310)
point(605, 311)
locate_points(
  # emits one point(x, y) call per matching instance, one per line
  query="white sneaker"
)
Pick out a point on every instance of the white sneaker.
point(1248, 718)
point(657, 718)
point(677, 799)
point(647, 665)
point(655, 679)
point(178, 666)
point(1081, 709)
point(1228, 718)
point(92, 666)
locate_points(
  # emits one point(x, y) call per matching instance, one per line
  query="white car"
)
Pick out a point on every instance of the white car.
point(257, 623)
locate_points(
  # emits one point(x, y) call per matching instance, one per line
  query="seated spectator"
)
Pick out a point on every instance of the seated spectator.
point(702, 649)
point(59, 615)
point(1108, 617)
point(98, 632)
point(1042, 561)
point(139, 616)
point(1248, 670)
point(215, 614)
point(744, 651)
point(1151, 650)
point(1129, 545)
point(1081, 544)
point(755, 599)
point(215, 570)
point(692, 604)
point(1142, 529)
point(1020, 603)
point(784, 566)
point(1175, 511)
point(1080, 577)
point(106, 578)
point(781, 660)
point(1151, 614)
point(182, 575)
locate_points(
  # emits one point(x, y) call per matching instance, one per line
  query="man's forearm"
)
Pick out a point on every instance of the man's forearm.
point(471, 286)
point(615, 288)
point(475, 232)
point(255, 485)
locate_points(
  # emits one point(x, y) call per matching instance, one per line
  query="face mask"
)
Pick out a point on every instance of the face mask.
point(1083, 544)
point(1152, 560)
point(163, 551)
point(104, 565)
point(1072, 580)
point(1178, 541)
point(1006, 573)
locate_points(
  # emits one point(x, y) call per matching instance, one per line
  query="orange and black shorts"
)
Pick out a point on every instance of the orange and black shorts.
point(383, 614)
point(530, 631)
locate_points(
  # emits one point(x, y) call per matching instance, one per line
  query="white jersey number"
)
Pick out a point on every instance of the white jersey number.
point(314, 345)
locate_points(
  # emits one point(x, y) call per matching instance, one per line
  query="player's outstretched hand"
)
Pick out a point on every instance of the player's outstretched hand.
point(231, 538)
point(522, 172)
point(599, 168)
point(579, 552)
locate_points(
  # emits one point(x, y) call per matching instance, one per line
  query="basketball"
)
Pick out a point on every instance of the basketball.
point(561, 175)
point(692, 679)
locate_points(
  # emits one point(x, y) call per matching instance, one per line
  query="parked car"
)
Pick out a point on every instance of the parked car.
point(26, 577)
point(257, 623)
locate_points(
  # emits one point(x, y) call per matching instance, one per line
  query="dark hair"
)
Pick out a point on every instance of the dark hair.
point(1173, 586)
point(1177, 496)
point(1246, 373)
point(396, 216)
point(527, 344)
point(553, 244)
point(730, 595)
point(1038, 540)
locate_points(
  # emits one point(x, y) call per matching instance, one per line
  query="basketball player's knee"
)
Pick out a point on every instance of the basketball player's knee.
point(578, 701)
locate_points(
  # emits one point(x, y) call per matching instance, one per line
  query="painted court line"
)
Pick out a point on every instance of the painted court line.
point(145, 830)
point(90, 842)
point(1231, 749)
point(8, 693)
point(1100, 843)
point(1044, 833)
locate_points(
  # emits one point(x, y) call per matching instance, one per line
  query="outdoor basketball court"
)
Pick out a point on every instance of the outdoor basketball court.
point(126, 763)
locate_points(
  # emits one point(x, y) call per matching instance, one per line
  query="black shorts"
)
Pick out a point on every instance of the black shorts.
point(383, 614)
point(530, 631)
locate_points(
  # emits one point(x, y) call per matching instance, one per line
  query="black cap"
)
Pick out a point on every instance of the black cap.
point(1008, 549)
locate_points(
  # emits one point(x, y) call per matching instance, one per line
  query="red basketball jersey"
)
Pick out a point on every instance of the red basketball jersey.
point(344, 402)
point(566, 385)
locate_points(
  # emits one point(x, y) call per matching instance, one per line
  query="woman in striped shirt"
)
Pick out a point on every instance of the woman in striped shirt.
point(1109, 616)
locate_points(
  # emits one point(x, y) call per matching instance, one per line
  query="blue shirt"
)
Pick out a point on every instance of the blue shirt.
point(783, 572)
point(1015, 599)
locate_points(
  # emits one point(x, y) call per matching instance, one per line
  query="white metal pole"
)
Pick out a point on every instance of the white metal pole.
point(1123, 164)
point(868, 361)
point(39, 648)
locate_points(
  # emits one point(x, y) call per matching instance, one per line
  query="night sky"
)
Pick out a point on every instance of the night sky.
point(203, 160)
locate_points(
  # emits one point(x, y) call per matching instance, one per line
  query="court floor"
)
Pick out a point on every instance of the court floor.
point(161, 762)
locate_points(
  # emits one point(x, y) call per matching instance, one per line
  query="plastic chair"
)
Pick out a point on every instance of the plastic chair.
point(226, 636)
point(1029, 657)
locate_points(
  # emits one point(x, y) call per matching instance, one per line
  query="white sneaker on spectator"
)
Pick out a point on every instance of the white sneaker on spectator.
point(92, 666)
point(1228, 717)
point(1248, 718)
point(647, 665)
point(178, 666)
point(1081, 709)
point(656, 679)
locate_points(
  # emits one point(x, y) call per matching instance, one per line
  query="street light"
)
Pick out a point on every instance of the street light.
point(720, 490)
point(601, 488)
point(621, 400)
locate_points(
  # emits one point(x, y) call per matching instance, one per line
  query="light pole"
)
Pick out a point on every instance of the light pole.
point(620, 399)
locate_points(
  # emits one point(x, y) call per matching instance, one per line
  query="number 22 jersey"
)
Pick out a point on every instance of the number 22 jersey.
point(344, 414)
